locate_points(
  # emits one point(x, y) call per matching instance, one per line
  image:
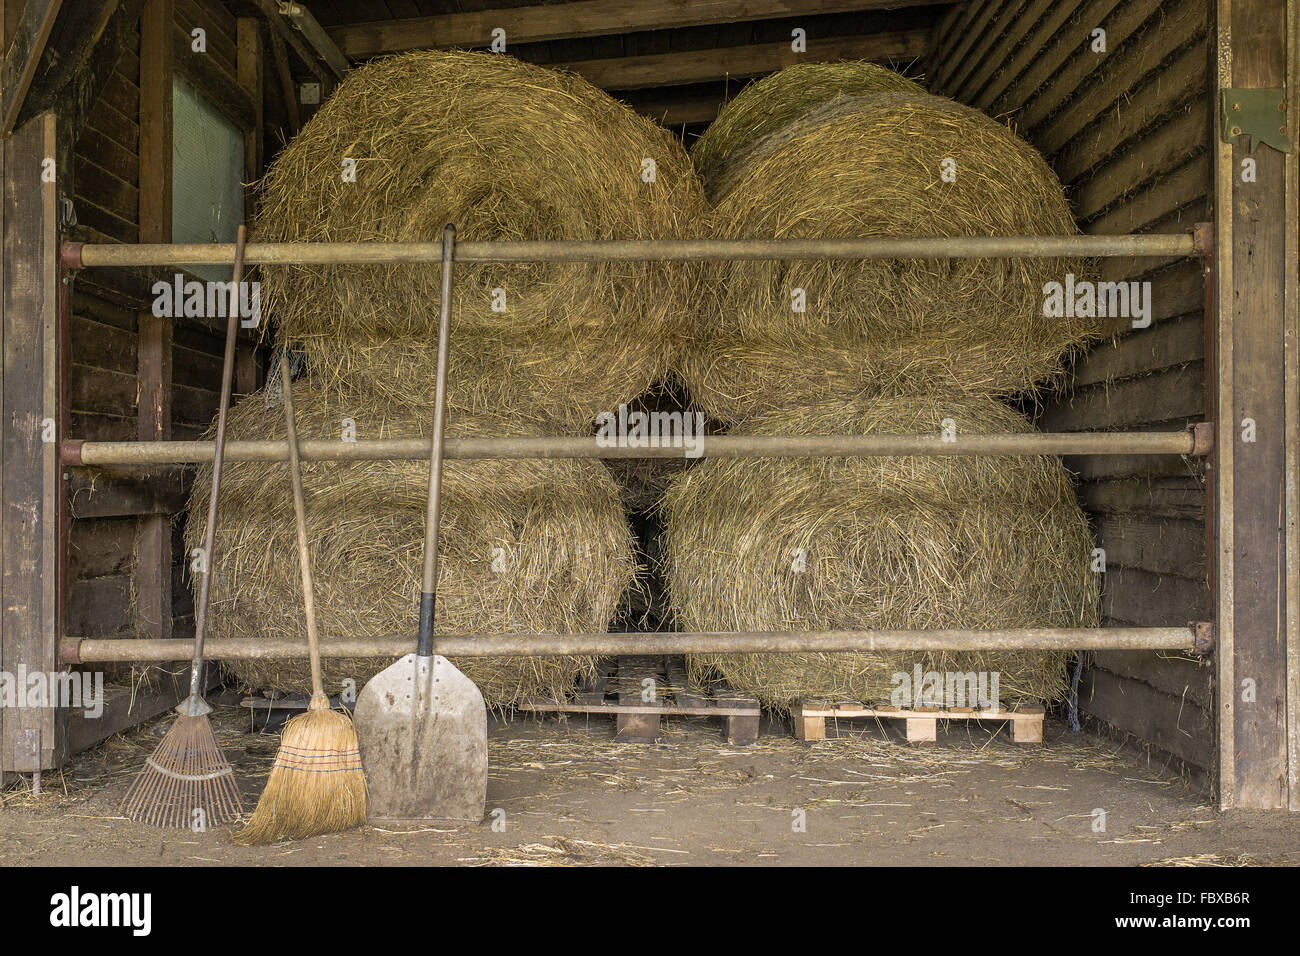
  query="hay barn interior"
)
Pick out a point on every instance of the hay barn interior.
point(128, 123)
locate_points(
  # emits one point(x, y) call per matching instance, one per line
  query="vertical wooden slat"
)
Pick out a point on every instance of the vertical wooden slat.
point(1252, 356)
point(31, 738)
point(153, 577)
point(1291, 260)
point(250, 68)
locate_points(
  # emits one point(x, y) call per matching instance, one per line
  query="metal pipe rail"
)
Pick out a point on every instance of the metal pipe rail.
point(1194, 638)
point(76, 255)
point(1196, 440)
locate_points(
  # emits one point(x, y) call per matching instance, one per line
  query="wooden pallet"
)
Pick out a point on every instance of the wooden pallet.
point(618, 689)
point(920, 723)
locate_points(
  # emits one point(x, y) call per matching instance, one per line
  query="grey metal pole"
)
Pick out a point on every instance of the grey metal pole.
point(87, 650)
point(1193, 441)
point(89, 255)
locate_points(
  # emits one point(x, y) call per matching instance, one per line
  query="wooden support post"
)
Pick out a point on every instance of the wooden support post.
point(806, 726)
point(250, 63)
point(153, 571)
point(32, 738)
point(1256, 248)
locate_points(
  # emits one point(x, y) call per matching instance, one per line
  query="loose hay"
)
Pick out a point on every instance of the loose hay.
point(870, 166)
point(770, 103)
point(971, 542)
point(505, 151)
point(554, 529)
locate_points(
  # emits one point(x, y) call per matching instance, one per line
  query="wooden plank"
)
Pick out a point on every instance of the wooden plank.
point(1029, 50)
point(1151, 497)
point(290, 36)
point(251, 63)
point(220, 44)
point(1145, 599)
point(1260, 235)
point(1011, 39)
point(1124, 67)
point(1157, 202)
point(673, 69)
point(1173, 342)
point(1160, 545)
point(100, 606)
point(288, 92)
point(31, 738)
point(632, 724)
point(111, 495)
point(1173, 393)
point(1180, 677)
point(1171, 723)
point(961, 53)
point(1176, 88)
point(1045, 54)
point(124, 708)
point(100, 547)
point(1165, 149)
point(97, 345)
point(583, 18)
point(158, 55)
point(1072, 67)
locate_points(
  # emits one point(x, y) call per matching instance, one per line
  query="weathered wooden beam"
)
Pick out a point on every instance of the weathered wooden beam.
point(250, 64)
point(158, 52)
point(673, 111)
point(318, 39)
point(24, 57)
point(32, 738)
point(584, 18)
point(1258, 707)
point(292, 37)
point(697, 66)
point(288, 93)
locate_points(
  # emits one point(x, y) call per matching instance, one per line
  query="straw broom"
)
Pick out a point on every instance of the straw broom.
point(316, 784)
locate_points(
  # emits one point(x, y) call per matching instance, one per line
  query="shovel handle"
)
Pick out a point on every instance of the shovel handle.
point(429, 584)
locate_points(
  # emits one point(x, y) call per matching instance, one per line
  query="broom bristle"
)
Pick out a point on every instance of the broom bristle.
point(316, 785)
point(185, 774)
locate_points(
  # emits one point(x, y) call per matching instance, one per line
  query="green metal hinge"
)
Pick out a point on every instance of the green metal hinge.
point(1259, 114)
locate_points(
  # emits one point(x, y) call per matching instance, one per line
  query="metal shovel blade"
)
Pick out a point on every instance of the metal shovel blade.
point(422, 726)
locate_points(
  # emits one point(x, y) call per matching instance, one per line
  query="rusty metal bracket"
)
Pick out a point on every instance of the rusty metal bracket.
point(1259, 114)
point(1203, 642)
point(1202, 438)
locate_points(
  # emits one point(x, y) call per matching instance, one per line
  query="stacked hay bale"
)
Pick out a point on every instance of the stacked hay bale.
point(778, 544)
point(505, 151)
point(877, 346)
point(528, 545)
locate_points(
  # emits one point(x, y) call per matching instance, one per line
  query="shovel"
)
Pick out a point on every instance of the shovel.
point(422, 724)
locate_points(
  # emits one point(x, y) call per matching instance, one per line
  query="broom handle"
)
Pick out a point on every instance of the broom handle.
point(210, 532)
point(300, 520)
point(429, 585)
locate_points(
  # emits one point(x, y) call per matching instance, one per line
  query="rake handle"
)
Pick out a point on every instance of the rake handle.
point(300, 523)
point(429, 584)
point(210, 532)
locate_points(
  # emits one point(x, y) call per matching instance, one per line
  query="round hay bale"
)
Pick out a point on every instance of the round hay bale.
point(768, 104)
point(783, 544)
point(505, 151)
point(527, 545)
point(873, 166)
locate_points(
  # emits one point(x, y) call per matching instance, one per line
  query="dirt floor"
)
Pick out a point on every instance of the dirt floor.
point(569, 794)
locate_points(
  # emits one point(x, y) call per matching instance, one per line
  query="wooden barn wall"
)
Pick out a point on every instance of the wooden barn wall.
point(104, 335)
point(1128, 132)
